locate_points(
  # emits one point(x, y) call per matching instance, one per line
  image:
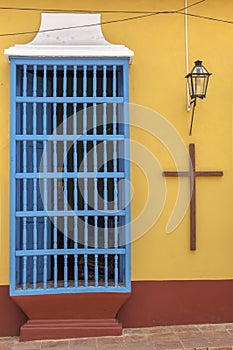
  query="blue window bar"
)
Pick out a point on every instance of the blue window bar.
point(70, 210)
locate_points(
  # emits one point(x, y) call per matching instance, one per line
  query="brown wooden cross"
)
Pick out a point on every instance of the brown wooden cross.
point(192, 173)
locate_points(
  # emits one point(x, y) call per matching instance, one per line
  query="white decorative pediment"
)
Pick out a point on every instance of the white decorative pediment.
point(69, 35)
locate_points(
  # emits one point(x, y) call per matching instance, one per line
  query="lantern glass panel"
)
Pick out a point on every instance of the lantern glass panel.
point(190, 86)
point(198, 81)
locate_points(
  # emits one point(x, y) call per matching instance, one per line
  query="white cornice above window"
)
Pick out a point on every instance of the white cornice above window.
point(69, 35)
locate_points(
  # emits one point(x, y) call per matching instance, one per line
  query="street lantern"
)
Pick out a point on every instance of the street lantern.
point(197, 80)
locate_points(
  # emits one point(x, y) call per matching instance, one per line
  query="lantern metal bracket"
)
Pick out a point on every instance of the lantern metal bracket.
point(194, 103)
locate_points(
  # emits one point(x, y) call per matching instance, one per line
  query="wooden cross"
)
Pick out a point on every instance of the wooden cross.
point(192, 173)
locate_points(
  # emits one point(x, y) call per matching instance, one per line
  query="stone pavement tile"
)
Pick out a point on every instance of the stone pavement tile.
point(217, 334)
point(211, 327)
point(166, 337)
point(110, 340)
point(147, 330)
point(226, 341)
point(29, 345)
point(168, 346)
point(189, 334)
point(220, 342)
point(83, 344)
point(112, 347)
point(107, 343)
point(138, 342)
point(137, 338)
point(218, 337)
point(6, 343)
point(187, 328)
point(157, 330)
point(190, 337)
point(165, 341)
point(9, 339)
point(55, 344)
point(6, 346)
point(139, 347)
point(195, 342)
point(228, 325)
point(133, 331)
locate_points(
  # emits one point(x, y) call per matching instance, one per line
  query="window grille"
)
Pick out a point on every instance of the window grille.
point(70, 210)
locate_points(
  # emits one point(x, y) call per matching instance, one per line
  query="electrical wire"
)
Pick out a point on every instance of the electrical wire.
point(88, 11)
point(85, 25)
point(187, 52)
point(69, 11)
point(206, 17)
point(144, 15)
point(102, 23)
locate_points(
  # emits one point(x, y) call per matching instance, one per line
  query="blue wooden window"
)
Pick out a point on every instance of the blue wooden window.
point(70, 210)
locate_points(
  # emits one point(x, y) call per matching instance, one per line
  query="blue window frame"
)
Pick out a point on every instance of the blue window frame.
point(70, 211)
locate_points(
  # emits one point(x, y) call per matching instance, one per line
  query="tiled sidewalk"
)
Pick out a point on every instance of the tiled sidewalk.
point(199, 337)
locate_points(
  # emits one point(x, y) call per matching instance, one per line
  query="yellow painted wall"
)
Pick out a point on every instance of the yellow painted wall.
point(157, 81)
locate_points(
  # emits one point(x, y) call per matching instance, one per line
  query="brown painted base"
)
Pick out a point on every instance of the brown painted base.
point(151, 303)
point(59, 329)
point(11, 316)
point(162, 303)
point(71, 315)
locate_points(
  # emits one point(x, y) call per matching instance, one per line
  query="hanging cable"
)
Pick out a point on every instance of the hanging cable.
point(187, 52)
point(144, 15)
point(206, 17)
point(104, 22)
point(83, 10)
